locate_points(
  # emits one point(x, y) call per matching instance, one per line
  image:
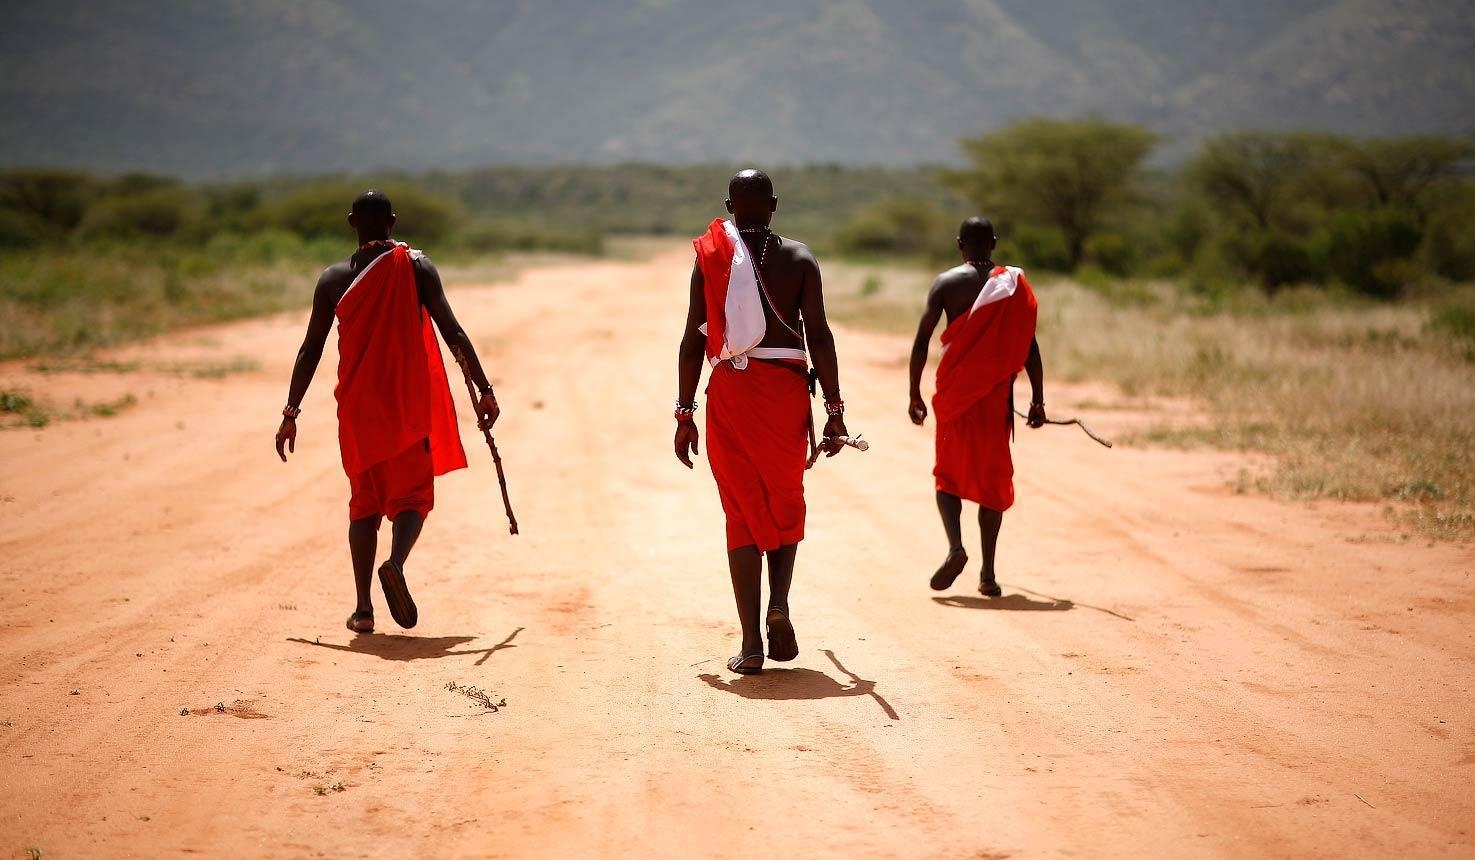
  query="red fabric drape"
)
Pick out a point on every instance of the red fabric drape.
point(392, 387)
point(714, 257)
point(757, 437)
point(984, 348)
point(983, 351)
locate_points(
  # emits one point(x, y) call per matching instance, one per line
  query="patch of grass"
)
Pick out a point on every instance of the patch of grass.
point(22, 410)
point(207, 369)
point(321, 790)
point(84, 364)
point(108, 408)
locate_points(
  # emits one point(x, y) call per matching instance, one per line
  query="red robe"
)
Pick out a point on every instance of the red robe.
point(757, 417)
point(392, 388)
point(982, 352)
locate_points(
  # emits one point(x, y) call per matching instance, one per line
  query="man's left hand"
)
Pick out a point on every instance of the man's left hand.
point(487, 411)
point(834, 432)
point(1036, 418)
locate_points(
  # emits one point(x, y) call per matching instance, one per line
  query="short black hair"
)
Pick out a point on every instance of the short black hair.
point(977, 231)
point(373, 204)
point(750, 183)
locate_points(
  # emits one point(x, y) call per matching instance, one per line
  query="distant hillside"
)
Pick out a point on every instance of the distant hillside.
point(266, 86)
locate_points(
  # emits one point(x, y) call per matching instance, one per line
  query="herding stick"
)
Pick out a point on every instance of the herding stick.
point(1067, 422)
point(486, 433)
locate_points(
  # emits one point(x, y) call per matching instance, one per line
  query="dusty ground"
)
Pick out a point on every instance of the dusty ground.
point(1175, 670)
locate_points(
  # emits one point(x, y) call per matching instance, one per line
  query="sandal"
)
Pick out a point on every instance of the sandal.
point(782, 646)
point(361, 621)
point(740, 664)
point(397, 595)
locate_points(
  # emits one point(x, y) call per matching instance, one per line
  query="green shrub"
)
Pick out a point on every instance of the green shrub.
point(321, 210)
point(1112, 252)
point(1457, 321)
point(1368, 251)
point(1035, 248)
point(156, 213)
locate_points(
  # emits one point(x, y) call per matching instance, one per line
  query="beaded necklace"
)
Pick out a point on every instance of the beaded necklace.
point(759, 231)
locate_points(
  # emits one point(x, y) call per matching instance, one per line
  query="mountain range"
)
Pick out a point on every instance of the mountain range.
point(254, 87)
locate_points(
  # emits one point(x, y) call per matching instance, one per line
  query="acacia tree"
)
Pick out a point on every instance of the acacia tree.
point(1402, 172)
point(1257, 177)
point(1062, 174)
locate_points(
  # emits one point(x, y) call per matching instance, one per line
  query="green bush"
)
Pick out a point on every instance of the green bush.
point(51, 202)
point(1272, 258)
point(321, 210)
point(1035, 248)
point(1371, 252)
point(1112, 252)
point(908, 228)
point(156, 213)
point(1454, 320)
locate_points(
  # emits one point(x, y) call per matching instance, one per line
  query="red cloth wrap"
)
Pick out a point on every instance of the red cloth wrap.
point(757, 439)
point(714, 258)
point(392, 388)
point(404, 482)
point(982, 353)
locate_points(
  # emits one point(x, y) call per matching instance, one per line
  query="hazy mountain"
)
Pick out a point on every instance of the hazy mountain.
point(254, 86)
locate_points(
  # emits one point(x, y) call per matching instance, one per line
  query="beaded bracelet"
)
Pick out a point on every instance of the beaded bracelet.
point(834, 408)
point(686, 412)
point(291, 412)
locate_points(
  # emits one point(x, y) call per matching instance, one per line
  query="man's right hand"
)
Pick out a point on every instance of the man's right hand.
point(687, 439)
point(286, 438)
point(917, 411)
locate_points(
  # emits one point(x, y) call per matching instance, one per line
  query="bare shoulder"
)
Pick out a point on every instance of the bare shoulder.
point(796, 251)
point(958, 276)
point(337, 276)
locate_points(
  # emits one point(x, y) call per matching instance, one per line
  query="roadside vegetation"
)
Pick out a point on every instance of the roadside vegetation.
point(1311, 292)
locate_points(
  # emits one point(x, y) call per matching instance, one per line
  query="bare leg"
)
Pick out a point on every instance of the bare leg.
point(950, 508)
point(989, 522)
point(363, 542)
point(782, 645)
point(392, 572)
point(781, 576)
point(406, 531)
point(746, 567)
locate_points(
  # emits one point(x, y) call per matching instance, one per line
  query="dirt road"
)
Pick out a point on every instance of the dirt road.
point(1175, 670)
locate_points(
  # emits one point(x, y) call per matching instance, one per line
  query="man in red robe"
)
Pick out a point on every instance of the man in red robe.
point(396, 421)
point(755, 296)
point(990, 336)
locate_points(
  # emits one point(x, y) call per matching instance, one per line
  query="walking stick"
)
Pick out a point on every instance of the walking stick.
point(486, 433)
point(1067, 422)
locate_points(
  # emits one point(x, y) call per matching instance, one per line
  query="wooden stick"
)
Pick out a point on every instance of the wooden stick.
point(1066, 423)
point(486, 433)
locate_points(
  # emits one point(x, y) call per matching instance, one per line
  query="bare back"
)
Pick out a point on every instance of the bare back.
point(788, 269)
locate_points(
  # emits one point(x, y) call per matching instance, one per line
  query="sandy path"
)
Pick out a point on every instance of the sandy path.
point(1176, 670)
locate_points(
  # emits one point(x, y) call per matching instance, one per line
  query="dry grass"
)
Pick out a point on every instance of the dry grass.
point(1354, 401)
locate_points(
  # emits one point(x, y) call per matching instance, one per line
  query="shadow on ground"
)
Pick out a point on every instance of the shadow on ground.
point(1029, 601)
point(1007, 603)
point(800, 684)
point(394, 646)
